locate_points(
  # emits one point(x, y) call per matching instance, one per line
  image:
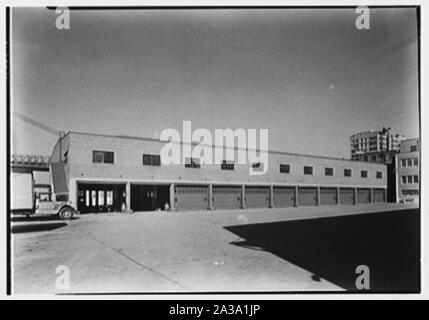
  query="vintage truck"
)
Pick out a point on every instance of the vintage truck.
point(25, 201)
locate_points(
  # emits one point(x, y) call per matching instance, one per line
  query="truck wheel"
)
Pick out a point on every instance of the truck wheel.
point(66, 213)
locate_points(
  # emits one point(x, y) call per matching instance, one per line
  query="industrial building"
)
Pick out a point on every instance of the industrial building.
point(99, 173)
point(408, 171)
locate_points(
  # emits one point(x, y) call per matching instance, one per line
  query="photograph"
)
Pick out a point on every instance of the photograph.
point(214, 150)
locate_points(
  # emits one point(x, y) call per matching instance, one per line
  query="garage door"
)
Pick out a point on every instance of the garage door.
point(363, 195)
point(328, 196)
point(378, 195)
point(257, 197)
point(226, 197)
point(284, 197)
point(191, 197)
point(346, 196)
point(307, 196)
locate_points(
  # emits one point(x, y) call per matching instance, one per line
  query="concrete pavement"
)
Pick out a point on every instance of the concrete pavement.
point(199, 251)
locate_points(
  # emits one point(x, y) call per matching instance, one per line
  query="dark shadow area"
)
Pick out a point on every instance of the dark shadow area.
point(36, 227)
point(38, 217)
point(331, 248)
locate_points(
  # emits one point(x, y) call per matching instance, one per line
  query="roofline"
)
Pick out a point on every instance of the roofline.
point(214, 146)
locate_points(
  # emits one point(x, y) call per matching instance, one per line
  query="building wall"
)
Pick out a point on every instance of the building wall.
point(407, 191)
point(128, 166)
point(408, 143)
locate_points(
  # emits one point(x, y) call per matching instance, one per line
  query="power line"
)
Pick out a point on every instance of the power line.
point(37, 124)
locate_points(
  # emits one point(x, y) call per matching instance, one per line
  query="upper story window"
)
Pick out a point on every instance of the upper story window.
point(192, 163)
point(416, 161)
point(151, 160)
point(103, 156)
point(413, 148)
point(379, 175)
point(404, 162)
point(409, 162)
point(285, 168)
point(364, 174)
point(329, 171)
point(347, 172)
point(308, 170)
point(227, 165)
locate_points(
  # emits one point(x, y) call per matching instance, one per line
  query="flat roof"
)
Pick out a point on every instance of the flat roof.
point(214, 146)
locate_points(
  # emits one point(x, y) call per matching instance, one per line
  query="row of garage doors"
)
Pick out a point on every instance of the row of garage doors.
point(188, 197)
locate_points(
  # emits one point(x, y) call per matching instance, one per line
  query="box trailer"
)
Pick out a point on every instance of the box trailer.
point(22, 193)
point(24, 199)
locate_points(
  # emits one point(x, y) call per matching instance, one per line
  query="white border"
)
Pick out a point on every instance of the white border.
point(424, 118)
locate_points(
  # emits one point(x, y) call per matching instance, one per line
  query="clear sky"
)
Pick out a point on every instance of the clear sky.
point(309, 76)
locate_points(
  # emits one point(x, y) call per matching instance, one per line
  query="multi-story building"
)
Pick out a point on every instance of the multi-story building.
point(108, 173)
point(375, 146)
point(408, 171)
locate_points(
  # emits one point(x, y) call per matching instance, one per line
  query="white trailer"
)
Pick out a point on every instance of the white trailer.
point(22, 193)
point(23, 199)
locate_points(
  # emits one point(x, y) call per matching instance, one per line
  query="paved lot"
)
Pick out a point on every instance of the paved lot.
point(217, 251)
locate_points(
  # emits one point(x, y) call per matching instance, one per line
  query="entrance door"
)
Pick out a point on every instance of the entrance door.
point(99, 197)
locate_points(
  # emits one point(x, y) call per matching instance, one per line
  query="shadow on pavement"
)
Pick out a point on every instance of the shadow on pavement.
point(331, 248)
point(36, 227)
point(47, 217)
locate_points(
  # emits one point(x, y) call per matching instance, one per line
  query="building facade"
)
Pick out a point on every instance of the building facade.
point(375, 146)
point(120, 173)
point(408, 171)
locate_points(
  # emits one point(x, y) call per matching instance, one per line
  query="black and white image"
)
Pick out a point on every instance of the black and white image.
point(214, 150)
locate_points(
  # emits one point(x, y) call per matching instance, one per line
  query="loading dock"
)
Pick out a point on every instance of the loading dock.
point(257, 197)
point(346, 196)
point(379, 195)
point(226, 197)
point(284, 197)
point(307, 196)
point(191, 197)
point(363, 195)
point(149, 197)
point(328, 196)
point(97, 197)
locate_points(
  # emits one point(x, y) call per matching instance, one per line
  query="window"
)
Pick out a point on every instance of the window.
point(285, 168)
point(100, 197)
point(410, 179)
point(192, 163)
point(404, 162)
point(102, 156)
point(409, 162)
point(413, 148)
point(404, 179)
point(379, 175)
point(347, 172)
point(151, 160)
point(308, 170)
point(416, 161)
point(416, 179)
point(329, 171)
point(227, 165)
point(364, 174)
point(109, 197)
